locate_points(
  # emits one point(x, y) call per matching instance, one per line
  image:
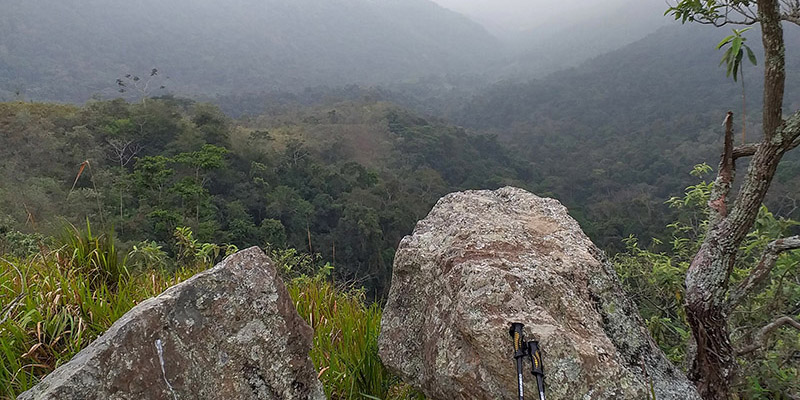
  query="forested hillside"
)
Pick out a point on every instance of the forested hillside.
point(617, 136)
point(346, 182)
point(69, 51)
point(613, 138)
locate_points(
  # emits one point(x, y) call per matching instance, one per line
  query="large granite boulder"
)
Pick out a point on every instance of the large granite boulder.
point(231, 332)
point(484, 259)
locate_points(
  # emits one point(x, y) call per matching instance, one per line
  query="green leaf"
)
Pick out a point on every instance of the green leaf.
point(726, 57)
point(736, 45)
point(751, 55)
point(725, 41)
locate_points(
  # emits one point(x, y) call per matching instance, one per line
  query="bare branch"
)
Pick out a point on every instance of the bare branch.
point(791, 131)
point(726, 21)
point(793, 18)
point(788, 206)
point(790, 11)
point(748, 12)
point(760, 339)
point(746, 150)
point(718, 23)
point(761, 272)
point(794, 144)
point(123, 151)
point(750, 15)
point(718, 201)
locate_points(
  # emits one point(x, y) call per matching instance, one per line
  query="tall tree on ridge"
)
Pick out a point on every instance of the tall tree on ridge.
point(709, 295)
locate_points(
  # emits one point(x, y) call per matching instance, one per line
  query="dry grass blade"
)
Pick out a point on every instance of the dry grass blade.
point(10, 307)
point(80, 172)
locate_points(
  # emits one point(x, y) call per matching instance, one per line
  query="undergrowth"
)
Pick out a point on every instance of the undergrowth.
point(54, 302)
point(345, 349)
point(52, 307)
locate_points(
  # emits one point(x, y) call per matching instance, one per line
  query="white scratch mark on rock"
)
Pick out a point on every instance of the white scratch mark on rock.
point(160, 349)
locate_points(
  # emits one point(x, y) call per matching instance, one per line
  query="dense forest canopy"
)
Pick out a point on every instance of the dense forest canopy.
point(639, 118)
point(346, 182)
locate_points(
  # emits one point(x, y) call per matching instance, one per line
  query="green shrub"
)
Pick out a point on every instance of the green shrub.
point(19, 244)
point(654, 277)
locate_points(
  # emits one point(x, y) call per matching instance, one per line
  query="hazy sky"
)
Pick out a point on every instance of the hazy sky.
point(517, 15)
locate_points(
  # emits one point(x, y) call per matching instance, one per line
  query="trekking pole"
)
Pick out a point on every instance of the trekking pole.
point(536, 366)
point(519, 353)
point(530, 349)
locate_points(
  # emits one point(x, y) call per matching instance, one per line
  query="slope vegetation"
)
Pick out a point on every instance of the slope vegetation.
point(617, 136)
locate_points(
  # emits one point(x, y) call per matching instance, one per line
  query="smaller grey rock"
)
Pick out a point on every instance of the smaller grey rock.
point(231, 332)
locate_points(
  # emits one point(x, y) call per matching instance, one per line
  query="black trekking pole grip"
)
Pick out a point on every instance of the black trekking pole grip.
point(537, 369)
point(519, 340)
point(520, 349)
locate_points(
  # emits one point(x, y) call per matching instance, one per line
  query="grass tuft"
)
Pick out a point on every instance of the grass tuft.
point(345, 347)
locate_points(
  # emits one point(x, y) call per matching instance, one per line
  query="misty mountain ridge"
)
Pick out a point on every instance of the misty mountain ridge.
point(623, 129)
point(572, 39)
point(69, 51)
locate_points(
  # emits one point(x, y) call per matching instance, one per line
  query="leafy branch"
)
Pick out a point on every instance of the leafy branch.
point(733, 60)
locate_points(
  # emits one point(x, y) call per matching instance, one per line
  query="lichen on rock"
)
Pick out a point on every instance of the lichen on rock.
point(484, 259)
point(231, 332)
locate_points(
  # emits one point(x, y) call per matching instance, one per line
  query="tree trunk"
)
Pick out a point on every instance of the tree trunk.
point(714, 362)
point(706, 284)
point(707, 281)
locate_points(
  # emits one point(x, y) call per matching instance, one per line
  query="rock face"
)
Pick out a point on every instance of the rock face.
point(484, 259)
point(231, 332)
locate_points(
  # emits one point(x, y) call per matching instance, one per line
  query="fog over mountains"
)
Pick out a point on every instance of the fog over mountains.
point(544, 37)
point(73, 50)
point(70, 50)
point(505, 17)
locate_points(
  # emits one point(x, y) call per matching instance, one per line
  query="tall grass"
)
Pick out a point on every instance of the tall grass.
point(53, 308)
point(53, 304)
point(345, 347)
point(95, 256)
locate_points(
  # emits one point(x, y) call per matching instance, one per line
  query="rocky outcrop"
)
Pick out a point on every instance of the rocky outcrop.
point(231, 332)
point(483, 259)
